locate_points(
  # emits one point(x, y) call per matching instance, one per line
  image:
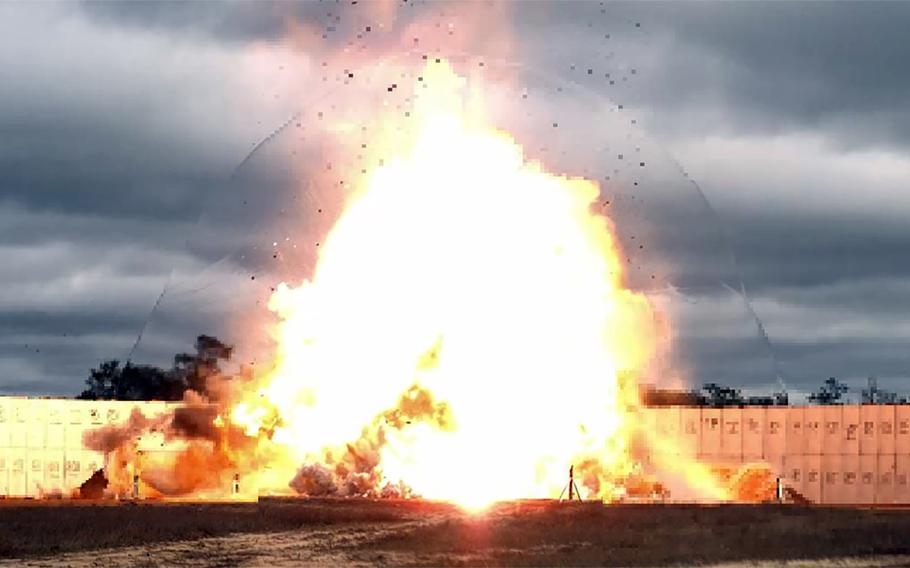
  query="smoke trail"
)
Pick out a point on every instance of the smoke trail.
point(727, 242)
point(149, 317)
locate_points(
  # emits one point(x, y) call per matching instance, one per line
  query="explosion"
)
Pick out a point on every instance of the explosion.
point(466, 274)
point(466, 336)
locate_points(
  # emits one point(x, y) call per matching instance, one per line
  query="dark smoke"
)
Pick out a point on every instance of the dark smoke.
point(108, 438)
point(193, 422)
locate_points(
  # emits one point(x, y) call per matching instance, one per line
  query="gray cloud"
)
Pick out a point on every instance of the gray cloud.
point(801, 59)
point(757, 68)
point(767, 67)
point(112, 141)
point(235, 22)
point(108, 122)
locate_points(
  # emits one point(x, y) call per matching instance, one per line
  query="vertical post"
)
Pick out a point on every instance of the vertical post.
point(137, 470)
point(571, 482)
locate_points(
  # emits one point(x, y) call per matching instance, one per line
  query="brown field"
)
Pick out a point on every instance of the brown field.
point(364, 532)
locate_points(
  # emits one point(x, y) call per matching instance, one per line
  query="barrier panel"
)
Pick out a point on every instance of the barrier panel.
point(793, 472)
point(95, 414)
point(56, 424)
point(6, 416)
point(902, 433)
point(832, 437)
point(753, 426)
point(90, 462)
point(19, 424)
point(54, 463)
point(813, 429)
point(37, 424)
point(647, 421)
point(851, 429)
point(4, 472)
point(812, 484)
point(711, 430)
point(73, 475)
point(667, 426)
point(775, 434)
point(113, 413)
point(868, 432)
point(884, 489)
point(77, 421)
point(832, 479)
point(851, 477)
point(902, 479)
point(731, 437)
point(795, 440)
point(868, 479)
point(886, 433)
point(75, 434)
point(34, 474)
point(690, 424)
point(18, 483)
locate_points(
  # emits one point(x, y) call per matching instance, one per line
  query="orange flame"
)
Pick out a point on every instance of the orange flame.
point(465, 271)
point(466, 336)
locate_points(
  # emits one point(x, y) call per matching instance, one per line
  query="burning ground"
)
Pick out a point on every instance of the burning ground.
point(413, 532)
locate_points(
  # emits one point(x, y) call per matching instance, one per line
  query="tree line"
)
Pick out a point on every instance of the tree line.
point(189, 371)
point(192, 371)
point(832, 391)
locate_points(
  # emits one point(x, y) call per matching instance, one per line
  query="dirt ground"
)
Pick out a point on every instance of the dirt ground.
point(296, 532)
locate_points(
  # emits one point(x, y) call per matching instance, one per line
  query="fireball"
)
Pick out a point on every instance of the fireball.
point(466, 333)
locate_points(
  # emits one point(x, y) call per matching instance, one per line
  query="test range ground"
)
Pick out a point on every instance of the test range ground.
point(297, 531)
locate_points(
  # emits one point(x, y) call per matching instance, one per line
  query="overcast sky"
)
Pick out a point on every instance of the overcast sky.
point(116, 119)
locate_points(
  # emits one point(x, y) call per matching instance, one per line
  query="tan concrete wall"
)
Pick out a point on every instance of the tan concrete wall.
point(835, 455)
point(851, 454)
point(41, 448)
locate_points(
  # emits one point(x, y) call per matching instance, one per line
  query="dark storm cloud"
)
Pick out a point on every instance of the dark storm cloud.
point(110, 142)
point(240, 23)
point(802, 62)
point(811, 363)
point(831, 293)
point(772, 66)
point(759, 67)
point(233, 22)
point(118, 122)
point(21, 226)
point(50, 147)
point(805, 251)
point(71, 323)
point(877, 299)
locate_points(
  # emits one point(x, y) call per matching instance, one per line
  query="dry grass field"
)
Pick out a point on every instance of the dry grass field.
point(410, 533)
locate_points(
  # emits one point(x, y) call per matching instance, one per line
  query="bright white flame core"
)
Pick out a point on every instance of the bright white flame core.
point(464, 269)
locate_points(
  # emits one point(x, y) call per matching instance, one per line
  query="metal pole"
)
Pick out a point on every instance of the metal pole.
point(137, 471)
point(571, 482)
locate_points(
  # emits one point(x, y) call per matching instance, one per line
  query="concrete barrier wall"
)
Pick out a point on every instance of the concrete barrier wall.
point(41, 450)
point(851, 454)
point(848, 454)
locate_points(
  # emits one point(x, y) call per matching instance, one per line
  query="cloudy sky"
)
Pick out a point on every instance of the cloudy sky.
point(117, 120)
